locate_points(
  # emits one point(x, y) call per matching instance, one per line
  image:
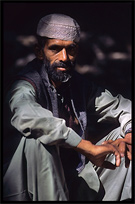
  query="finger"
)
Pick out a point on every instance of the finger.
point(129, 148)
point(118, 141)
point(107, 142)
point(128, 138)
point(122, 149)
point(129, 152)
point(117, 158)
point(113, 149)
point(114, 142)
point(129, 155)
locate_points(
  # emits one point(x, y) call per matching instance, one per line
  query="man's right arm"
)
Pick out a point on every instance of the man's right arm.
point(32, 120)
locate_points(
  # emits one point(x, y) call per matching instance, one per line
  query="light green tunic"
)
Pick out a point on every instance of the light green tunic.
point(44, 178)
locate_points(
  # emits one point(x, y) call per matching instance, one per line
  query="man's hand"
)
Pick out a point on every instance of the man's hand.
point(97, 153)
point(124, 146)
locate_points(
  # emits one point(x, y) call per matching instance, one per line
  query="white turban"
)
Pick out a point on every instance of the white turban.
point(59, 26)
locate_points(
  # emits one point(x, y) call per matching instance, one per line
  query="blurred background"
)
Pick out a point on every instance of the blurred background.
point(105, 46)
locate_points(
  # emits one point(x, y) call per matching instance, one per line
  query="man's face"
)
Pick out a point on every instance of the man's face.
point(60, 58)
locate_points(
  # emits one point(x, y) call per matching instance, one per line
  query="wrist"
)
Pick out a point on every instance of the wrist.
point(129, 130)
point(86, 148)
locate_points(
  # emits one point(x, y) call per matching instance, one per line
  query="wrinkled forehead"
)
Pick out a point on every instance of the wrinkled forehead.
point(59, 26)
point(61, 43)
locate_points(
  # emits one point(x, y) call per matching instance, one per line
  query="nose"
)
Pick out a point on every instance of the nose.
point(63, 55)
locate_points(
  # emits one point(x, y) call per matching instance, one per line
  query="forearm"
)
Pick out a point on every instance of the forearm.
point(85, 147)
point(97, 153)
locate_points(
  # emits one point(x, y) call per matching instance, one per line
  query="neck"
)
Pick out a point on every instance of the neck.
point(61, 86)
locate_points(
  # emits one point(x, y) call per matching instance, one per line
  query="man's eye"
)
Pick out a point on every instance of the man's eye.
point(55, 49)
point(72, 50)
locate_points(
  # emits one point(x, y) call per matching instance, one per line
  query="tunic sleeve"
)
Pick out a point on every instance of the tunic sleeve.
point(112, 108)
point(32, 120)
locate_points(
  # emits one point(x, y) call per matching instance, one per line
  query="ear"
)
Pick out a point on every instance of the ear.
point(39, 52)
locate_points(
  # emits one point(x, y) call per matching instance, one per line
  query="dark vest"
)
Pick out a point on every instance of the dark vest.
point(35, 73)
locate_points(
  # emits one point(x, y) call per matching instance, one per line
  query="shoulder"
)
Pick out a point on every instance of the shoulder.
point(30, 73)
point(20, 87)
point(22, 84)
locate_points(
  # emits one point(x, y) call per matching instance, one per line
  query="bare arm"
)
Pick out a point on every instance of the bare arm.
point(97, 153)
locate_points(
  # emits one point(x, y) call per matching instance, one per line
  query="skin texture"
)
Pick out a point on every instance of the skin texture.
point(60, 51)
point(97, 153)
point(56, 51)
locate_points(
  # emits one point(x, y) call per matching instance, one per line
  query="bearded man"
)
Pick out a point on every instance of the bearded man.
point(54, 109)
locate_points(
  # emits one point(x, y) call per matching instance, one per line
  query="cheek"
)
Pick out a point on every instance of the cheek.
point(72, 59)
point(49, 55)
point(50, 58)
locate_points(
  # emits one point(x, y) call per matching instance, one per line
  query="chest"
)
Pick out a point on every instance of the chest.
point(65, 110)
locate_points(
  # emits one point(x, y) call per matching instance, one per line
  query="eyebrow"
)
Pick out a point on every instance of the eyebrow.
point(61, 46)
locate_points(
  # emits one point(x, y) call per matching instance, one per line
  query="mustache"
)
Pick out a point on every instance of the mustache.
point(67, 65)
